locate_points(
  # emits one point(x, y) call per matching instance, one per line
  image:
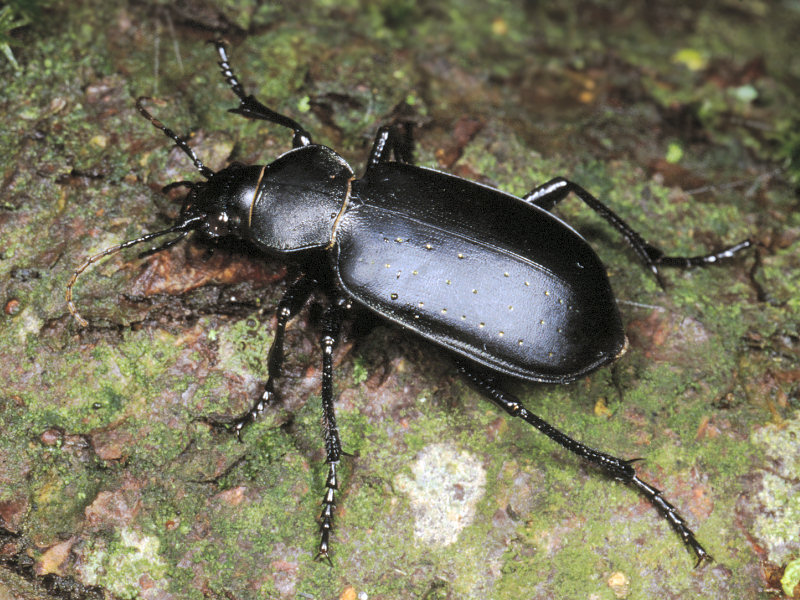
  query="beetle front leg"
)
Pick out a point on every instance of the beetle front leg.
point(251, 108)
point(331, 324)
point(547, 195)
point(617, 468)
point(290, 304)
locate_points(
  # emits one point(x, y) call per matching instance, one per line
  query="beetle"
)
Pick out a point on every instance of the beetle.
point(508, 288)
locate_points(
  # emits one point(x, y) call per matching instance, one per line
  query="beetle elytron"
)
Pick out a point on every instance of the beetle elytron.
point(499, 281)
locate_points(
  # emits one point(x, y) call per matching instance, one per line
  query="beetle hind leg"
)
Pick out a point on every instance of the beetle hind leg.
point(547, 195)
point(617, 468)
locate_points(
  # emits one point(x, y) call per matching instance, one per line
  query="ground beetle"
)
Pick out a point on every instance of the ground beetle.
point(507, 287)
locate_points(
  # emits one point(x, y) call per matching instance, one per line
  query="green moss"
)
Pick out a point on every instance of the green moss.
point(120, 565)
point(116, 382)
point(791, 577)
point(360, 372)
point(243, 347)
point(779, 519)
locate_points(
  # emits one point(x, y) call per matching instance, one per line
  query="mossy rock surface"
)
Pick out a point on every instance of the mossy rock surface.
point(682, 118)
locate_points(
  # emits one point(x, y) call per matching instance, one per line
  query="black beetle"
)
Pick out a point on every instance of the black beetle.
point(507, 287)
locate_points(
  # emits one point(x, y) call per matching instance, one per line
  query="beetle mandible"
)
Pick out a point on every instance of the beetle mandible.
point(498, 280)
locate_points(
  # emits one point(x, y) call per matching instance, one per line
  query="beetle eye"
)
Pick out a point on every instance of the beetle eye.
point(217, 225)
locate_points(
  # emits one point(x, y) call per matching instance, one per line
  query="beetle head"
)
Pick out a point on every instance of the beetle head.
point(223, 203)
point(204, 203)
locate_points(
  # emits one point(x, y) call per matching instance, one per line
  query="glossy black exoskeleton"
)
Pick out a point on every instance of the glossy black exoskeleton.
point(507, 287)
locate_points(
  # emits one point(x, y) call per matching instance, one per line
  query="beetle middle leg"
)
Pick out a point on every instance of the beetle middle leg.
point(547, 195)
point(292, 301)
point(617, 468)
point(331, 324)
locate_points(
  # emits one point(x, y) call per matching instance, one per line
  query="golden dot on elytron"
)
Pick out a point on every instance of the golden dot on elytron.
point(428, 247)
point(481, 324)
point(393, 296)
point(460, 255)
point(444, 311)
point(501, 333)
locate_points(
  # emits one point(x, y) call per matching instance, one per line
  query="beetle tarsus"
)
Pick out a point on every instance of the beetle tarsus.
point(673, 517)
point(326, 516)
point(703, 260)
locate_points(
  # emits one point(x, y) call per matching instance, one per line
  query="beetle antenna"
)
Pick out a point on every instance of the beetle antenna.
point(179, 141)
point(182, 228)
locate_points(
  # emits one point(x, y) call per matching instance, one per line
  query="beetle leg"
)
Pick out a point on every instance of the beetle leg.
point(404, 143)
point(251, 108)
point(292, 301)
point(617, 468)
point(331, 324)
point(388, 141)
point(547, 195)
